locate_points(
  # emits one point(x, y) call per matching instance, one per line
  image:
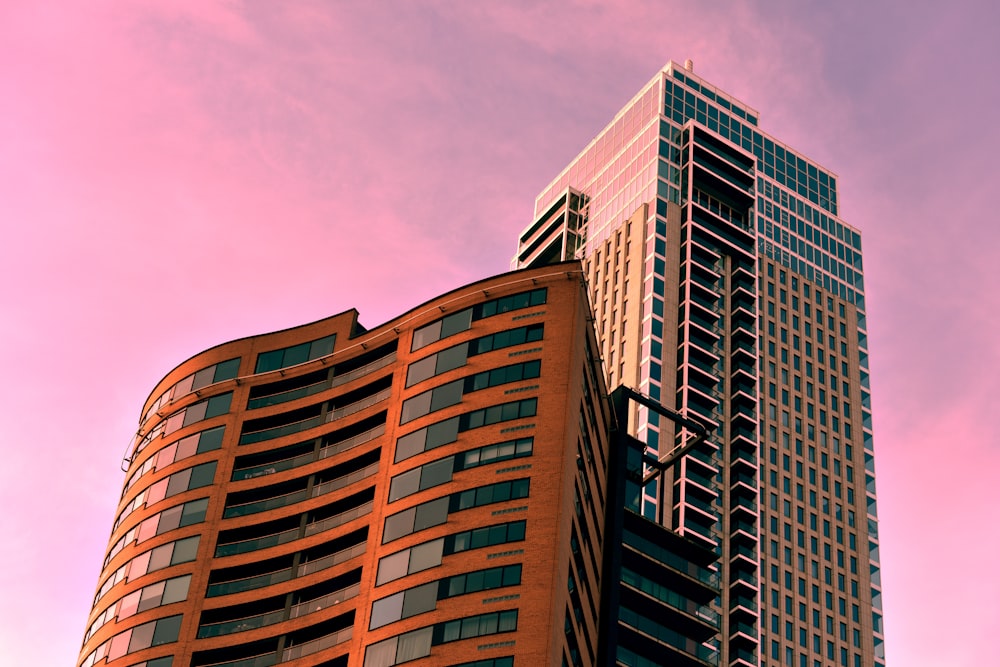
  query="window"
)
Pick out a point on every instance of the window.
point(296, 354)
point(436, 364)
point(426, 515)
point(417, 644)
point(177, 516)
point(154, 633)
point(424, 477)
point(462, 320)
point(427, 438)
point(148, 597)
point(420, 599)
point(185, 480)
point(225, 370)
point(432, 400)
point(212, 407)
point(435, 512)
point(445, 432)
point(439, 472)
point(165, 555)
point(198, 443)
point(451, 393)
point(429, 554)
point(475, 626)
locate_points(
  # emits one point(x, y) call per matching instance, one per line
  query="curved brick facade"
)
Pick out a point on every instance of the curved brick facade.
point(327, 495)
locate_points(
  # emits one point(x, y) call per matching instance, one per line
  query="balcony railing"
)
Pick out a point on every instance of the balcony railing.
point(256, 506)
point(364, 370)
point(240, 624)
point(262, 660)
point(353, 441)
point(344, 480)
point(317, 645)
point(357, 406)
point(324, 602)
point(249, 583)
point(286, 536)
point(278, 431)
point(285, 396)
point(338, 519)
point(270, 618)
point(332, 559)
point(303, 459)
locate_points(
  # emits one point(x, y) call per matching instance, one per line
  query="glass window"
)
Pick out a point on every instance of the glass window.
point(151, 596)
point(398, 525)
point(432, 513)
point(386, 611)
point(202, 475)
point(424, 336)
point(404, 484)
point(427, 438)
point(431, 401)
point(413, 645)
point(426, 555)
point(447, 395)
point(453, 357)
point(456, 323)
point(421, 370)
point(382, 654)
point(420, 599)
point(426, 515)
point(176, 589)
point(415, 407)
point(142, 636)
point(446, 326)
point(184, 550)
point(194, 512)
point(392, 567)
point(296, 354)
point(162, 631)
point(436, 472)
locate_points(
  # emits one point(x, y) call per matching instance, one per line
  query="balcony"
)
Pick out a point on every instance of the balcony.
point(317, 645)
point(270, 468)
point(338, 519)
point(276, 502)
point(739, 657)
point(279, 431)
point(744, 528)
point(324, 562)
point(287, 390)
point(317, 525)
point(270, 618)
point(248, 583)
point(262, 660)
point(743, 484)
point(746, 633)
point(678, 645)
point(356, 373)
point(358, 406)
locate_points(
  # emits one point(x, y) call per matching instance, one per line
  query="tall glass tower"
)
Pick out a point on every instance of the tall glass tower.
point(726, 286)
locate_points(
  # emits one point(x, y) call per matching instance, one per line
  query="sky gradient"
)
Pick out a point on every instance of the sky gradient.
point(175, 174)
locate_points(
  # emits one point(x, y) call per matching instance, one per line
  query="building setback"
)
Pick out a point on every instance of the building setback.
point(726, 286)
point(325, 495)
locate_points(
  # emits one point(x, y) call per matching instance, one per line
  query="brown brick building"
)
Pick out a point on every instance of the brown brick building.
point(432, 489)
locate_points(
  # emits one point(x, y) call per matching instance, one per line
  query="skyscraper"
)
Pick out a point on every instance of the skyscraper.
point(327, 495)
point(726, 286)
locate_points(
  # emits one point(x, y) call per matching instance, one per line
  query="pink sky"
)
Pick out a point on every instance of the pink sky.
point(177, 174)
